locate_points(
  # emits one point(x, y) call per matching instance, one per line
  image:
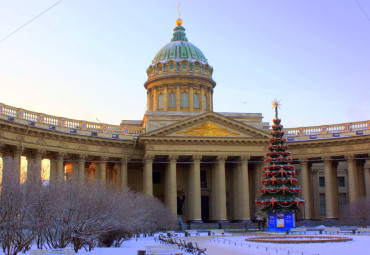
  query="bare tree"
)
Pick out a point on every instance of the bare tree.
point(16, 230)
point(358, 210)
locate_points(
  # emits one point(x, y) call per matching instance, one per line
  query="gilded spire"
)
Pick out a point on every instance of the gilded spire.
point(179, 34)
point(178, 21)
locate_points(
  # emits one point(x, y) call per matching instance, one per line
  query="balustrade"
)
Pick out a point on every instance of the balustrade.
point(68, 123)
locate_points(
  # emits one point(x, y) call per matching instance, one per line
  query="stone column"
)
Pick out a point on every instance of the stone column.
point(352, 179)
point(191, 98)
point(316, 194)
point(195, 205)
point(307, 189)
point(103, 170)
point(11, 166)
point(219, 190)
point(211, 101)
point(201, 99)
point(123, 173)
point(17, 153)
point(165, 98)
point(155, 99)
point(241, 196)
point(34, 166)
point(148, 175)
point(367, 177)
point(81, 169)
point(53, 170)
point(331, 189)
point(60, 167)
point(178, 98)
point(171, 184)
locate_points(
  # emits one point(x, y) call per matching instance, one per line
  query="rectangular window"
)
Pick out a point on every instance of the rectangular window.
point(205, 102)
point(322, 204)
point(184, 100)
point(172, 100)
point(322, 181)
point(341, 181)
point(196, 100)
point(342, 201)
point(160, 101)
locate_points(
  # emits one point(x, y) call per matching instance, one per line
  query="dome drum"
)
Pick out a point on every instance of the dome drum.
point(179, 78)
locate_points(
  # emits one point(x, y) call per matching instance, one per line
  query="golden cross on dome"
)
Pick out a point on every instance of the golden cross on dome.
point(276, 104)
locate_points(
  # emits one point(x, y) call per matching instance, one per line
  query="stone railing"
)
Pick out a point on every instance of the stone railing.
point(68, 123)
point(328, 129)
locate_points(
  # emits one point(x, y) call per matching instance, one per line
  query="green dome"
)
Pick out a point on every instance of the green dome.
point(179, 48)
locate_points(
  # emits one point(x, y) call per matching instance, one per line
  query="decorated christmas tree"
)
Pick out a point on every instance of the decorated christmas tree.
point(280, 192)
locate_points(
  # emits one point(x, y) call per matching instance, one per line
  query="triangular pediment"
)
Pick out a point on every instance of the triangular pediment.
point(210, 125)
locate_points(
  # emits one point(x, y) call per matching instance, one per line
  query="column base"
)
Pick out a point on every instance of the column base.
point(241, 221)
point(195, 221)
point(219, 221)
point(332, 219)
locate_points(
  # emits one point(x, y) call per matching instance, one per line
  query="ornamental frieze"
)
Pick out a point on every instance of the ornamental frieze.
point(62, 145)
point(104, 149)
point(82, 148)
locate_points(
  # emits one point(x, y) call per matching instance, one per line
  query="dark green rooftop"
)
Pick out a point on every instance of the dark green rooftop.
point(179, 48)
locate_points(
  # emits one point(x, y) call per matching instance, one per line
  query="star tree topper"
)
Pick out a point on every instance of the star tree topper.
point(276, 104)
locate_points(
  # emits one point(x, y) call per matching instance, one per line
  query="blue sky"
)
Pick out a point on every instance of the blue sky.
point(87, 59)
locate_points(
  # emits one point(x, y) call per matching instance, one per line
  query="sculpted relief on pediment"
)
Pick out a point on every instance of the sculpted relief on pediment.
point(208, 129)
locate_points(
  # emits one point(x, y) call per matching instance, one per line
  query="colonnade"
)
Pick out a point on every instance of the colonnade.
point(218, 195)
point(354, 176)
point(358, 176)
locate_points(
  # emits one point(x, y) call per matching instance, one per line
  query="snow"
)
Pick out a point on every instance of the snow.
point(236, 245)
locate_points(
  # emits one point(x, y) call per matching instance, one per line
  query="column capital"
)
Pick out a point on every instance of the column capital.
point(245, 158)
point(82, 157)
point(304, 162)
point(104, 159)
point(172, 158)
point(149, 157)
point(197, 157)
point(349, 157)
point(221, 158)
point(124, 160)
point(61, 155)
point(367, 164)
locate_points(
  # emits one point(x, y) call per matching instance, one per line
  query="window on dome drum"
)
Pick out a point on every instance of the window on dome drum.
point(184, 65)
point(172, 100)
point(160, 101)
point(322, 204)
point(322, 181)
point(184, 100)
point(341, 181)
point(196, 67)
point(172, 66)
point(196, 100)
point(205, 102)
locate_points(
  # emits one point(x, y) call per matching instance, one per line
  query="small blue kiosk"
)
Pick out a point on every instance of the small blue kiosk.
point(281, 221)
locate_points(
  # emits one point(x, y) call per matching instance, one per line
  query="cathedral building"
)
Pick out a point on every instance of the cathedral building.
point(204, 165)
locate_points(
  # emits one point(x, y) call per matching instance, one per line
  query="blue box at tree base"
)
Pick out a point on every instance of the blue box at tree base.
point(280, 221)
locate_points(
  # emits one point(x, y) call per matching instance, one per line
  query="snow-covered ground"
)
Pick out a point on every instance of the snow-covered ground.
point(236, 245)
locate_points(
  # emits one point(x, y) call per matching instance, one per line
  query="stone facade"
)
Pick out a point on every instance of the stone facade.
point(205, 166)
